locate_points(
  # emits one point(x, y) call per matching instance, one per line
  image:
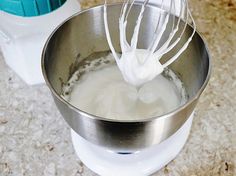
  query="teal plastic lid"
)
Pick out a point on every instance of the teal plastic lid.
point(29, 8)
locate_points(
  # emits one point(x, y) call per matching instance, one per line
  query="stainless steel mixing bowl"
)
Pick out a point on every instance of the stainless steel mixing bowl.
point(84, 34)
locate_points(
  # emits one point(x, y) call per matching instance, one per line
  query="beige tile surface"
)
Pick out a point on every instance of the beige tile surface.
point(34, 139)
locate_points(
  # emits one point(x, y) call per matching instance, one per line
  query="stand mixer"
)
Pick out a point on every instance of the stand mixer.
point(123, 147)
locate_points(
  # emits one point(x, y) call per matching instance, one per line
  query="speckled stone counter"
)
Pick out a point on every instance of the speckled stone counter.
point(35, 140)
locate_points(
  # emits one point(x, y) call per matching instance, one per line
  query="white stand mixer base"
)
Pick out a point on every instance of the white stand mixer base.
point(141, 163)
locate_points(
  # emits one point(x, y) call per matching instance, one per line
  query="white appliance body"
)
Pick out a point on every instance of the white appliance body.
point(22, 39)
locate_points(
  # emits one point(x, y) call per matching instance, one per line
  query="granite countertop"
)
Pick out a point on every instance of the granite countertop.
point(35, 140)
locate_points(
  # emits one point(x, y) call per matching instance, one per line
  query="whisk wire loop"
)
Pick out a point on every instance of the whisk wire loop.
point(159, 46)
